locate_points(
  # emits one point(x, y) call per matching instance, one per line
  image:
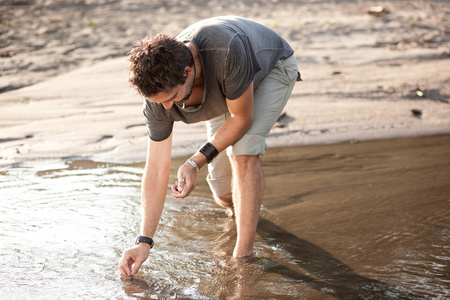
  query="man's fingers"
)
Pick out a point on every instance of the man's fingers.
point(136, 267)
point(188, 188)
point(181, 183)
point(176, 190)
point(135, 255)
point(124, 266)
point(122, 270)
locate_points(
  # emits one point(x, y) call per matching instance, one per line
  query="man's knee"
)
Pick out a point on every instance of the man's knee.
point(225, 201)
point(225, 198)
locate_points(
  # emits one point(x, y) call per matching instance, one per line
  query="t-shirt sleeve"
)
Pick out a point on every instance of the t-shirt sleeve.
point(157, 128)
point(240, 67)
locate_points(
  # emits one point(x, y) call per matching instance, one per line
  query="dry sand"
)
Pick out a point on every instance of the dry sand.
point(64, 79)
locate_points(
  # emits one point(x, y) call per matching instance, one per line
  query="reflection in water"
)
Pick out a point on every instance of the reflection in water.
point(337, 222)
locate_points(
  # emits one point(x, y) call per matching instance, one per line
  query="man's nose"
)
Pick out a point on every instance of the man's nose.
point(168, 105)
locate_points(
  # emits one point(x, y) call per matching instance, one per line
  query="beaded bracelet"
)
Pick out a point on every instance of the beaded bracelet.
point(209, 151)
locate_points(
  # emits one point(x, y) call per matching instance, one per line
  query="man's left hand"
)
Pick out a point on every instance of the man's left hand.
point(185, 184)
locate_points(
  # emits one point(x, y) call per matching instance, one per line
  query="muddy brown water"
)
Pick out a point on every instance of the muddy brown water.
point(368, 220)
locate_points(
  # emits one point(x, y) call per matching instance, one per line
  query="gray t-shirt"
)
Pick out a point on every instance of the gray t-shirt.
point(234, 52)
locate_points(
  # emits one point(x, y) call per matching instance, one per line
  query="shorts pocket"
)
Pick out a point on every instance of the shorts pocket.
point(289, 73)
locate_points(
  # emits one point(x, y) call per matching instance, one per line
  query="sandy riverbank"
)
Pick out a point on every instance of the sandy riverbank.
point(65, 95)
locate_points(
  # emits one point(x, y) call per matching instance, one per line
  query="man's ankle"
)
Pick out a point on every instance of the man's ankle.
point(242, 254)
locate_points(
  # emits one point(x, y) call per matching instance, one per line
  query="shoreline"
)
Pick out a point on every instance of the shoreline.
point(99, 160)
point(78, 116)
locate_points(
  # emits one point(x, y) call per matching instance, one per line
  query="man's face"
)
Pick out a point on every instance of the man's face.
point(178, 95)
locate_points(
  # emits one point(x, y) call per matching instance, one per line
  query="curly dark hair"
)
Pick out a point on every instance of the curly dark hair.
point(157, 64)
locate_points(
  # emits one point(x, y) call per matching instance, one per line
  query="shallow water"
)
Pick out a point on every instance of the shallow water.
point(367, 220)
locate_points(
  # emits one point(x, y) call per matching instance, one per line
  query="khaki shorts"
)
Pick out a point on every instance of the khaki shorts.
point(270, 97)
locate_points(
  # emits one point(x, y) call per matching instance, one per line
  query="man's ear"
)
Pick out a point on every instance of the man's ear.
point(187, 71)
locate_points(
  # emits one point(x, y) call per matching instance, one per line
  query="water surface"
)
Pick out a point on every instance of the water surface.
point(368, 220)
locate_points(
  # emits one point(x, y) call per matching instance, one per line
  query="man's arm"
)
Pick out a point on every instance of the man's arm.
point(240, 120)
point(154, 190)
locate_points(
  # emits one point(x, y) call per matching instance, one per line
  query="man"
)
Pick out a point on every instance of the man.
point(236, 75)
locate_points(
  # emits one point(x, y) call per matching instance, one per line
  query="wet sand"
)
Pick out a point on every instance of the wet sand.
point(352, 218)
point(366, 220)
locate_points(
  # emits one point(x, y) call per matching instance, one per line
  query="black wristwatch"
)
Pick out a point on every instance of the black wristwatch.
point(144, 239)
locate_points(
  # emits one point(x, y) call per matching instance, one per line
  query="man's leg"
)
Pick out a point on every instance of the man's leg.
point(270, 98)
point(248, 189)
point(220, 174)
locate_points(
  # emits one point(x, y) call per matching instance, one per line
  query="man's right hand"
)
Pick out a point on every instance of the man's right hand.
point(135, 255)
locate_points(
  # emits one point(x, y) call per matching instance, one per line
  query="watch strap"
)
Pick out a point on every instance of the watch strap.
point(144, 239)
